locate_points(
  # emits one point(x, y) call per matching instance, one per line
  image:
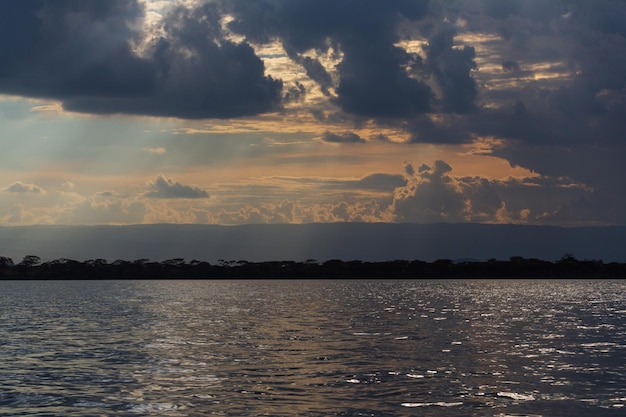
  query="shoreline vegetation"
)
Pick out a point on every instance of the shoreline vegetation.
point(31, 267)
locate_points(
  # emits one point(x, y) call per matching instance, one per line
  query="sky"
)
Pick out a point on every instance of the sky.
point(311, 111)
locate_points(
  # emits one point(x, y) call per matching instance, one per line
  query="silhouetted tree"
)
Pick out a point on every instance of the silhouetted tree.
point(5, 262)
point(516, 267)
point(96, 263)
point(29, 261)
point(442, 267)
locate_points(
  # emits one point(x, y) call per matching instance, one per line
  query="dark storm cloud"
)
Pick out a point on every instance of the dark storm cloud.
point(79, 52)
point(574, 127)
point(167, 188)
point(316, 71)
point(373, 76)
point(446, 129)
point(588, 37)
point(295, 93)
point(347, 137)
point(580, 49)
point(583, 38)
point(65, 48)
point(451, 68)
point(600, 168)
point(510, 65)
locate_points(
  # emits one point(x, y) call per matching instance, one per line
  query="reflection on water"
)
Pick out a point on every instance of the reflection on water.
point(313, 348)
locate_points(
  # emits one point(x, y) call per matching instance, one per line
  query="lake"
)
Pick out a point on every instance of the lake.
point(499, 348)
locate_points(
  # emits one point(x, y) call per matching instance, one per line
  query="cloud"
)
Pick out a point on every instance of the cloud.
point(44, 57)
point(288, 211)
point(188, 64)
point(190, 70)
point(381, 181)
point(544, 81)
point(446, 129)
point(573, 126)
point(380, 138)
point(451, 67)
point(16, 214)
point(435, 194)
point(431, 195)
point(316, 71)
point(88, 212)
point(295, 93)
point(590, 45)
point(510, 65)
point(20, 187)
point(372, 79)
point(155, 150)
point(347, 137)
point(599, 167)
point(188, 67)
point(167, 188)
point(425, 193)
point(378, 184)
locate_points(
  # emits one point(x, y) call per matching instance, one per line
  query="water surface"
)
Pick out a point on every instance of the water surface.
point(313, 348)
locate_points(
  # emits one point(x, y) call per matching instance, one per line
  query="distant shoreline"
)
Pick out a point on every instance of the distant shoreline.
point(31, 268)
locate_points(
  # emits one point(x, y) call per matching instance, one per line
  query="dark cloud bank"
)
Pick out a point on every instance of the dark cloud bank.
point(79, 52)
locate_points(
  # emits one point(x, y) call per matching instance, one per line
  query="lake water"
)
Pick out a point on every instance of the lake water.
point(313, 348)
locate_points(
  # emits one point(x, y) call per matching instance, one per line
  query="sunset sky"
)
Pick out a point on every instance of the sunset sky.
point(297, 111)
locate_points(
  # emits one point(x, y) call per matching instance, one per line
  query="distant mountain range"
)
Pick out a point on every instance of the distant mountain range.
point(371, 242)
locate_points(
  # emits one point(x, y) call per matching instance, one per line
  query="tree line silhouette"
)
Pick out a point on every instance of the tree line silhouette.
point(31, 267)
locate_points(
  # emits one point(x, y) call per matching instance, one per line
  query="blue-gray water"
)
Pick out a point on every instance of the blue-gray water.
point(313, 348)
